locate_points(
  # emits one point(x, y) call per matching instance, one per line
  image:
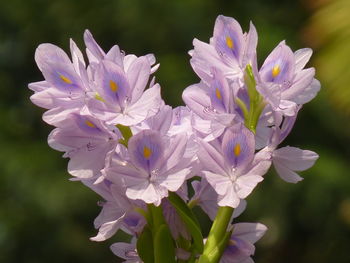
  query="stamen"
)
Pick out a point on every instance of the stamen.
point(229, 42)
point(66, 80)
point(275, 71)
point(147, 152)
point(113, 86)
point(237, 149)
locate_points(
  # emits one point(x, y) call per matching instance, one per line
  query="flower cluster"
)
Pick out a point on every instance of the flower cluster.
point(142, 156)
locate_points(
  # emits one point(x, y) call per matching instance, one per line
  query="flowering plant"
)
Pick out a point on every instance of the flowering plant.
point(142, 156)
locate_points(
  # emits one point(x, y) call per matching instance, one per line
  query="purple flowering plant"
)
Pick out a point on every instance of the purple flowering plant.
point(142, 156)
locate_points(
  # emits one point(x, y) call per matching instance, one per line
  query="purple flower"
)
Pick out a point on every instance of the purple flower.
point(118, 82)
point(86, 141)
point(206, 197)
point(159, 122)
point(120, 97)
point(287, 160)
point(112, 84)
point(241, 244)
point(65, 86)
point(126, 145)
point(113, 211)
point(118, 212)
point(126, 251)
point(284, 82)
point(231, 167)
point(214, 104)
point(155, 166)
point(230, 50)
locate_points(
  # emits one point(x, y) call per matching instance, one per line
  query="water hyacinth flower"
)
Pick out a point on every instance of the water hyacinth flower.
point(283, 77)
point(112, 85)
point(231, 167)
point(229, 50)
point(119, 97)
point(118, 212)
point(86, 141)
point(206, 197)
point(119, 83)
point(126, 251)
point(155, 166)
point(241, 243)
point(65, 86)
point(287, 160)
point(213, 104)
point(137, 153)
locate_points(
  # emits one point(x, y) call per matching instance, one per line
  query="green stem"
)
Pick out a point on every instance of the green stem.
point(218, 236)
point(192, 203)
point(156, 215)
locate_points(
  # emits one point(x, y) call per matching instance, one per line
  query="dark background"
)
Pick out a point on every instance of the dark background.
point(46, 218)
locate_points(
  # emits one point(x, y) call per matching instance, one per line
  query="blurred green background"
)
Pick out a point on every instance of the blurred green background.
point(46, 218)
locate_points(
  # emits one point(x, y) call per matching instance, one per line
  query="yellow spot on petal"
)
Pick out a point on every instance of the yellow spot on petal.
point(98, 97)
point(237, 149)
point(218, 93)
point(90, 124)
point(147, 152)
point(65, 79)
point(113, 86)
point(229, 42)
point(275, 71)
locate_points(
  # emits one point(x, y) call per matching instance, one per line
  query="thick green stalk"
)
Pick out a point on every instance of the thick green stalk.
point(218, 236)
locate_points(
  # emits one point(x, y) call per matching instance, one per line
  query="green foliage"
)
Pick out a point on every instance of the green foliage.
point(144, 246)
point(189, 219)
point(163, 245)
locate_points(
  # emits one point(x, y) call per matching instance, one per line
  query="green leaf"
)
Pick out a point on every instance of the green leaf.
point(250, 82)
point(144, 246)
point(163, 245)
point(188, 219)
point(126, 132)
point(157, 215)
